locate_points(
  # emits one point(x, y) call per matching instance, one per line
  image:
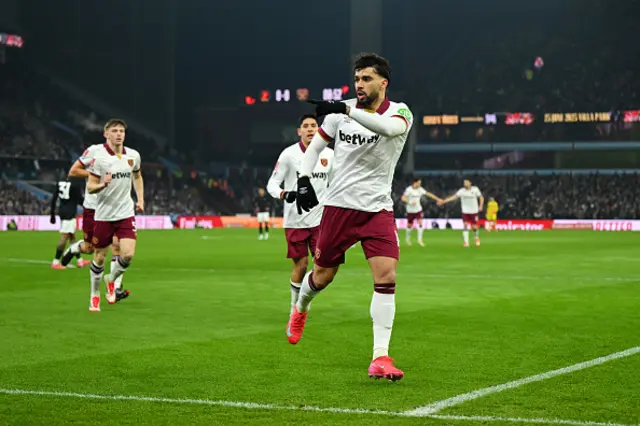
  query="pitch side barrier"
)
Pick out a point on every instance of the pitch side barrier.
point(525, 146)
point(41, 223)
point(190, 222)
point(539, 172)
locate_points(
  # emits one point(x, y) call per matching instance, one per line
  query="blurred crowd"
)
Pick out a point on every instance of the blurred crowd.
point(15, 201)
point(520, 196)
point(538, 196)
point(166, 194)
point(43, 129)
point(540, 69)
point(39, 119)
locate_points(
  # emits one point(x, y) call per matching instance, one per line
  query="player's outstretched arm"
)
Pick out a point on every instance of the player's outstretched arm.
point(384, 126)
point(78, 170)
point(448, 200)
point(138, 186)
point(433, 197)
point(54, 199)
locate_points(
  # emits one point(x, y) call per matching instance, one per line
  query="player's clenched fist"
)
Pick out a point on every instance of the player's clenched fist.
point(107, 178)
point(306, 198)
point(289, 196)
point(328, 107)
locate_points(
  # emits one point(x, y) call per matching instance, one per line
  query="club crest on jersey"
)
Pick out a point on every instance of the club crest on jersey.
point(324, 162)
point(130, 162)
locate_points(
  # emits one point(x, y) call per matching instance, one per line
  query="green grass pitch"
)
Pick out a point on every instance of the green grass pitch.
point(207, 314)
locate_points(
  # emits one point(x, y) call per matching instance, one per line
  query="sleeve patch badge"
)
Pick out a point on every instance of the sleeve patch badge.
point(405, 113)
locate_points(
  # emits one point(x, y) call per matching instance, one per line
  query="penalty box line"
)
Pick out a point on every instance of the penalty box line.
point(251, 405)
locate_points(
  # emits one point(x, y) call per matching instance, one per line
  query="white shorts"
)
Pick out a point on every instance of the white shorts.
point(68, 226)
point(263, 217)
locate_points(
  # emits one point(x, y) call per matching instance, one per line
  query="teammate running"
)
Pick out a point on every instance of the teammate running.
point(301, 230)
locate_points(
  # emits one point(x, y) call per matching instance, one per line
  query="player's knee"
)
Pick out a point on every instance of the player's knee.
point(99, 255)
point(386, 275)
point(300, 266)
point(86, 248)
point(126, 256)
point(322, 277)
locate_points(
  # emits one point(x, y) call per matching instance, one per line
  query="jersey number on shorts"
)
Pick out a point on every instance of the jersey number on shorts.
point(64, 189)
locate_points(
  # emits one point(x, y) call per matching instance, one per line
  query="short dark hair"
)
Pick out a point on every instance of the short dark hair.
point(305, 116)
point(377, 62)
point(416, 179)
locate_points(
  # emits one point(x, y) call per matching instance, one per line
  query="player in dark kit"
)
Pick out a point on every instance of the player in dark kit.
point(69, 193)
point(263, 204)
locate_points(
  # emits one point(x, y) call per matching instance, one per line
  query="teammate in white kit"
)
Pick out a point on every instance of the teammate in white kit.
point(369, 133)
point(112, 174)
point(301, 230)
point(79, 170)
point(469, 196)
point(412, 198)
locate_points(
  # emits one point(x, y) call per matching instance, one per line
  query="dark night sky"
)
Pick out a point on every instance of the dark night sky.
point(248, 45)
point(120, 49)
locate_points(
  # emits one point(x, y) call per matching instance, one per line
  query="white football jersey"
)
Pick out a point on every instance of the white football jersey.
point(114, 201)
point(469, 199)
point(286, 170)
point(87, 159)
point(414, 195)
point(364, 161)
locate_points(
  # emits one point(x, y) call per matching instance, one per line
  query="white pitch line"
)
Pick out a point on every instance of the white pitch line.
point(437, 406)
point(21, 260)
point(46, 262)
point(524, 420)
point(189, 401)
point(253, 405)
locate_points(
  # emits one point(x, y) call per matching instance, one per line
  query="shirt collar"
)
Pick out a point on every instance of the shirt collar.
point(384, 106)
point(110, 151)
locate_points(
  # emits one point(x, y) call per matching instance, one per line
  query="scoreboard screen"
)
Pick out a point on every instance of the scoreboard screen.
point(299, 94)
